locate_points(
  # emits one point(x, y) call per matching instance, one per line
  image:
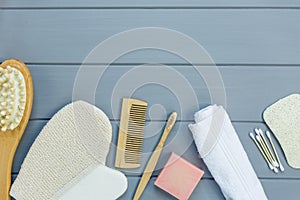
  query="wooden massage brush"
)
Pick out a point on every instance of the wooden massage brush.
point(16, 97)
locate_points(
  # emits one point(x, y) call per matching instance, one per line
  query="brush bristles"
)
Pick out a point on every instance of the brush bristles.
point(13, 98)
point(134, 140)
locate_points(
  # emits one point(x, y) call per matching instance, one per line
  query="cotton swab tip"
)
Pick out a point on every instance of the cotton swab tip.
point(275, 170)
point(256, 130)
point(251, 135)
point(281, 168)
point(257, 137)
point(275, 163)
point(261, 131)
point(270, 166)
point(268, 134)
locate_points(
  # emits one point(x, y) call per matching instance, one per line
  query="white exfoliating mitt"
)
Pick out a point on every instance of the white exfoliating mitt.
point(220, 148)
point(68, 157)
point(283, 118)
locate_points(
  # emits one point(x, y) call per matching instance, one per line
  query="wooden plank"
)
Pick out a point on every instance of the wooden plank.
point(281, 189)
point(145, 4)
point(180, 141)
point(207, 189)
point(263, 36)
point(249, 90)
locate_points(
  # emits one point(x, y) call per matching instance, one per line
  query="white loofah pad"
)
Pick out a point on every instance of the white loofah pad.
point(72, 144)
point(283, 118)
point(102, 183)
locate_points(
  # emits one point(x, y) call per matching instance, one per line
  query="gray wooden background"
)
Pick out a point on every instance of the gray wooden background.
point(254, 43)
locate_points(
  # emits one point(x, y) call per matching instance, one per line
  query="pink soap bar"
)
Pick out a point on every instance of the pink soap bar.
point(179, 177)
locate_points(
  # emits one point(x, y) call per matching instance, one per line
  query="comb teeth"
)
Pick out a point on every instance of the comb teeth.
point(133, 148)
point(130, 141)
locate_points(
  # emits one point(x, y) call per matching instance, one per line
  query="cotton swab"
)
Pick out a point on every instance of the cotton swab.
point(275, 152)
point(261, 151)
point(264, 148)
point(258, 138)
point(264, 142)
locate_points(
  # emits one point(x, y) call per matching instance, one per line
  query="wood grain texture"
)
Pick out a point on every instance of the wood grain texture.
point(249, 90)
point(145, 4)
point(247, 36)
point(130, 135)
point(8, 147)
point(9, 139)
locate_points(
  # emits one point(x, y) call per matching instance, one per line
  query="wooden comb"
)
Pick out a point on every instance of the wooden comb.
point(131, 132)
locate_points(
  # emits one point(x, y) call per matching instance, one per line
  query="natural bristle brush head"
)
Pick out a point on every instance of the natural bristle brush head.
point(13, 97)
point(16, 97)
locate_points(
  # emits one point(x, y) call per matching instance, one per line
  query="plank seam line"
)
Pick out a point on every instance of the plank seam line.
point(152, 8)
point(175, 64)
point(207, 178)
point(158, 120)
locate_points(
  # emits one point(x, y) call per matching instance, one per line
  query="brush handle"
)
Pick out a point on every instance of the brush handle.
point(7, 150)
point(9, 140)
point(148, 172)
point(154, 157)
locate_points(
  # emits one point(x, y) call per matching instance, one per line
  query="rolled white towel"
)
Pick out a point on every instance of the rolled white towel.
point(220, 148)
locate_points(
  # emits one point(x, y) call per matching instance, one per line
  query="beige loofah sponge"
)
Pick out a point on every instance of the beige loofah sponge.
point(71, 145)
point(283, 118)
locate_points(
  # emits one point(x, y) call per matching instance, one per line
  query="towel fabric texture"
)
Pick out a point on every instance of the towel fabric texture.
point(71, 145)
point(283, 119)
point(219, 146)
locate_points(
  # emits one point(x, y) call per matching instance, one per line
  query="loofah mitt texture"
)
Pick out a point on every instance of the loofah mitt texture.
point(73, 143)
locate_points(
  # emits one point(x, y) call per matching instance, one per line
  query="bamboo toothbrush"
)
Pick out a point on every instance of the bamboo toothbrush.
point(261, 151)
point(155, 156)
point(16, 97)
point(275, 152)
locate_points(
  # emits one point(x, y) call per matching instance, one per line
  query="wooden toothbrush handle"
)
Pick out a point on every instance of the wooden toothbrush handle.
point(150, 167)
point(7, 151)
point(155, 157)
point(156, 154)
